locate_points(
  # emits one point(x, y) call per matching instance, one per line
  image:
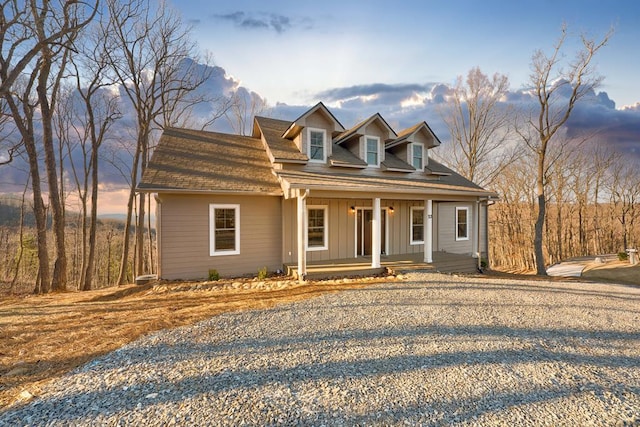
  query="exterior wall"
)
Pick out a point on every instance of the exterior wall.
point(184, 248)
point(342, 228)
point(316, 120)
point(447, 228)
point(373, 129)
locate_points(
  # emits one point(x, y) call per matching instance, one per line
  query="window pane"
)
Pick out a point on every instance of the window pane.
point(417, 225)
point(225, 229)
point(316, 229)
point(462, 223)
point(225, 240)
point(316, 145)
point(418, 233)
point(372, 151)
point(417, 156)
point(418, 217)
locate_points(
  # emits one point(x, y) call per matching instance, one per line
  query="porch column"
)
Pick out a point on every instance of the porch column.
point(375, 234)
point(302, 252)
point(428, 231)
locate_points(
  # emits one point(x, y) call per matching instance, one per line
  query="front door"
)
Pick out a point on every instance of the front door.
point(364, 234)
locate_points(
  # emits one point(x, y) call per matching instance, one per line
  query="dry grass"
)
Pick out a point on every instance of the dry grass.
point(615, 271)
point(43, 337)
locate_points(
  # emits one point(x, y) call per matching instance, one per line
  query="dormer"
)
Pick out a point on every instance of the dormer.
point(412, 145)
point(367, 140)
point(313, 132)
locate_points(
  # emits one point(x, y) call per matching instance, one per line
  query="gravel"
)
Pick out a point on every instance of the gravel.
point(430, 350)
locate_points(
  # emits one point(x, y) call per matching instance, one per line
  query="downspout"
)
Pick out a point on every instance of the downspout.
point(478, 249)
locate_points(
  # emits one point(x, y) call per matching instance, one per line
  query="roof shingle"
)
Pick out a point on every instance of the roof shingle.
point(200, 161)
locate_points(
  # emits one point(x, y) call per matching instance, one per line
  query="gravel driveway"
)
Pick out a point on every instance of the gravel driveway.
point(432, 350)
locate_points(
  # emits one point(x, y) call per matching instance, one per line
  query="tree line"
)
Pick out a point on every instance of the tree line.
point(65, 68)
point(562, 194)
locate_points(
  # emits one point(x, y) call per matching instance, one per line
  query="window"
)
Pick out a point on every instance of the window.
point(373, 151)
point(224, 230)
point(417, 151)
point(317, 230)
point(417, 225)
point(316, 149)
point(462, 223)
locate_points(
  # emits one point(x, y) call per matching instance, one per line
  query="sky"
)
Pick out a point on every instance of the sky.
point(399, 59)
point(293, 52)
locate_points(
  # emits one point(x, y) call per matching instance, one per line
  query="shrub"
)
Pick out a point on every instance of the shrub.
point(214, 275)
point(623, 256)
point(262, 273)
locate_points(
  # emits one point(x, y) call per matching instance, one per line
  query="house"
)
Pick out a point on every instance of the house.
point(305, 192)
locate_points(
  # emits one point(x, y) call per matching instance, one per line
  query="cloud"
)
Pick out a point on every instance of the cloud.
point(266, 21)
point(403, 105)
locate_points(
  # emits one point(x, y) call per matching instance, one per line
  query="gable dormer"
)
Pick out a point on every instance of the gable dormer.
point(412, 145)
point(367, 140)
point(313, 131)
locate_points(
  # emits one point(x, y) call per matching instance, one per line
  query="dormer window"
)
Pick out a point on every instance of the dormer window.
point(417, 156)
point(372, 151)
point(316, 149)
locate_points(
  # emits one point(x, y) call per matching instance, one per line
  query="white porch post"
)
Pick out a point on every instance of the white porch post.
point(302, 253)
point(375, 234)
point(428, 231)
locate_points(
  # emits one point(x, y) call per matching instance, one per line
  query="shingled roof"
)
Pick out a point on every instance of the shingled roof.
point(200, 161)
point(281, 149)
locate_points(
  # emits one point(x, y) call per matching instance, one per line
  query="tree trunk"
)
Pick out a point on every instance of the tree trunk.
point(542, 206)
point(88, 276)
point(59, 278)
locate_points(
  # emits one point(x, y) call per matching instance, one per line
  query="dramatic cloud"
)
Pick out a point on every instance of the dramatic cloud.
point(404, 105)
point(266, 21)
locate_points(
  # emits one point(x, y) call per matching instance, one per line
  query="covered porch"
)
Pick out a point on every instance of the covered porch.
point(443, 262)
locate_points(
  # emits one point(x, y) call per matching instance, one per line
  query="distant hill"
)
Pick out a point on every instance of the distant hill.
point(10, 216)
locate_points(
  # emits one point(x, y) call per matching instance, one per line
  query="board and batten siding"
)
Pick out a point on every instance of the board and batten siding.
point(342, 223)
point(184, 248)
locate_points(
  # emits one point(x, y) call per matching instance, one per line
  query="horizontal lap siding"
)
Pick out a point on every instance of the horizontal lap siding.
point(185, 236)
point(447, 228)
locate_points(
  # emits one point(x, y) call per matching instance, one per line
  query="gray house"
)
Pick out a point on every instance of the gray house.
point(307, 193)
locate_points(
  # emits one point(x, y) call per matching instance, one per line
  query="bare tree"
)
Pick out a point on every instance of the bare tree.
point(479, 122)
point(624, 190)
point(558, 87)
point(244, 106)
point(152, 58)
point(41, 36)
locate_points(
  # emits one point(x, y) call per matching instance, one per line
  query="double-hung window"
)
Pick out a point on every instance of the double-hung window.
point(417, 160)
point(417, 225)
point(316, 149)
point(317, 228)
point(372, 150)
point(224, 230)
point(462, 223)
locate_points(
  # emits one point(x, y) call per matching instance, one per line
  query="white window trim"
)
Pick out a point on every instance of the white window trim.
point(416, 144)
point(324, 145)
point(458, 209)
point(416, 242)
point(212, 230)
point(325, 245)
point(366, 138)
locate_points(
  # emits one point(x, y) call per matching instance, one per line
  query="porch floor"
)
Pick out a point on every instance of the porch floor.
point(443, 262)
